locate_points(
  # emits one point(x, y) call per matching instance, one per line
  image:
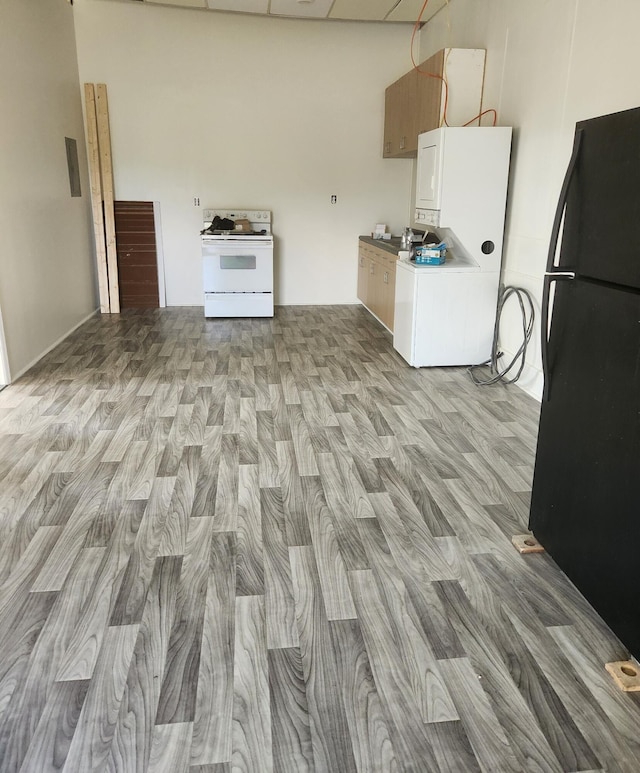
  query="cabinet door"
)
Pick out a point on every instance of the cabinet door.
point(389, 294)
point(414, 84)
point(430, 94)
point(400, 123)
point(363, 275)
point(382, 290)
point(375, 277)
point(392, 115)
point(408, 119)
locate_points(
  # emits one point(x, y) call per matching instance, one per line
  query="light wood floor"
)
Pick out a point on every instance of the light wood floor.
point(270, 545)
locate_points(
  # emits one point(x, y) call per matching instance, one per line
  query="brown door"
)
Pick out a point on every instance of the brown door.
point(137, 257)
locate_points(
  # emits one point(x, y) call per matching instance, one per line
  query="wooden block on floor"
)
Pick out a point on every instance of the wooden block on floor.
point(626, 674)
point(526, 543)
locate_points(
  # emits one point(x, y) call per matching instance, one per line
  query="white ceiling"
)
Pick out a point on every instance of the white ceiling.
point(354, 10)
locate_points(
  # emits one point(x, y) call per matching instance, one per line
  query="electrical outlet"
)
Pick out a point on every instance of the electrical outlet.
point(334, 199)
point(196, 201)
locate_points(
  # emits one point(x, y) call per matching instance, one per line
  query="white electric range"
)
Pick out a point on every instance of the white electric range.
point(237, 258)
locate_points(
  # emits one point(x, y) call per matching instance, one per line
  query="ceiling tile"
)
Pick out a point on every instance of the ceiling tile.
point(244, 6)
point(357, 10)
point(368, 10)
point(186, 3)
point(408, 10)
point(317, 9)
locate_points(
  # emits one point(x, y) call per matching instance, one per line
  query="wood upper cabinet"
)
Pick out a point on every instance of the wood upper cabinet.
point(416, 102)
point(377, 281)
point(399, 117)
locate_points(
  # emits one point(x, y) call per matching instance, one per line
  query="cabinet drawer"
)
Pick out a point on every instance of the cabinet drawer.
point(387, 259)
point(367, 250)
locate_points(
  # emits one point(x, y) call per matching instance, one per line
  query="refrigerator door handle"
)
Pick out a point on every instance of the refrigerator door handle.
point(550, 274)
point(561, 274)
point(562, 201)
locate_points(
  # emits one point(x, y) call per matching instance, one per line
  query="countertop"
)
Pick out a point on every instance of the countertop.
point(458, 259)
point(388, 245)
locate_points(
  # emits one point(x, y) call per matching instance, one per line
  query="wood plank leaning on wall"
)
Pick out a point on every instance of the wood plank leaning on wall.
point(101, 170)
point(106, 170)
point(96, 196)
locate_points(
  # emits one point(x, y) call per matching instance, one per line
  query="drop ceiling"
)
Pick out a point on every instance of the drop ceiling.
point(350, 10)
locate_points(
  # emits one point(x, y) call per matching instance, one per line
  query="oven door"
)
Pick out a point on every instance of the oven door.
point(237, 267)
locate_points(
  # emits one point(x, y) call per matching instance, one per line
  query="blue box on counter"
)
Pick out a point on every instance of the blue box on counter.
point(432, 255)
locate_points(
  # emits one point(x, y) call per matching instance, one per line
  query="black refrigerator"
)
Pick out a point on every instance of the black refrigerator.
point(585, 504)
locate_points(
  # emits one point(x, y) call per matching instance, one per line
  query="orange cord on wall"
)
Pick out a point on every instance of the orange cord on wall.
point(484, 112)
point(426, 74)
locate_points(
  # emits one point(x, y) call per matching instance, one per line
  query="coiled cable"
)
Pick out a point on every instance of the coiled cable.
point(528, 316)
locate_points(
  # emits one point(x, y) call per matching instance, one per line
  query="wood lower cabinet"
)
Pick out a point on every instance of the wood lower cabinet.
point(416, 103)
point(377, 281)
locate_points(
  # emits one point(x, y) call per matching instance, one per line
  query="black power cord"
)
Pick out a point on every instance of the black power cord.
point(528, 315)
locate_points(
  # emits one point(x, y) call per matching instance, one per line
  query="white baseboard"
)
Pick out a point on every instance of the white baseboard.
point(531, 380)
point(53, 346)
point(5, 371)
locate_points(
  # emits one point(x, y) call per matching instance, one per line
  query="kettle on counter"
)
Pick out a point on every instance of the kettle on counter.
point(406, 240)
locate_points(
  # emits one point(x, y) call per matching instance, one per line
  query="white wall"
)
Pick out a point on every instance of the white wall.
point(46, 265)
point(549, 64)
point(252, 112)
